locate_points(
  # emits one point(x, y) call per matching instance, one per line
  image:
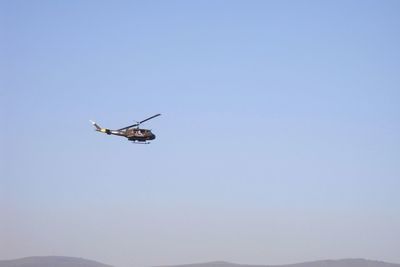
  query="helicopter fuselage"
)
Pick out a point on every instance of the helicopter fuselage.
point(140, 135)
point(133, 134)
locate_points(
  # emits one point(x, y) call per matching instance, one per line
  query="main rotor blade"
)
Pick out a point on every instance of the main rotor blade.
point(138, 123)
point(127, 127)
point(152, 117)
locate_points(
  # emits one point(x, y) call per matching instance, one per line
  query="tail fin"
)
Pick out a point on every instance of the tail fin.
point(98, 128)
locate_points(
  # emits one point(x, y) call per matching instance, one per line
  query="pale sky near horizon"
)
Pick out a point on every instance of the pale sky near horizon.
point(278, 141)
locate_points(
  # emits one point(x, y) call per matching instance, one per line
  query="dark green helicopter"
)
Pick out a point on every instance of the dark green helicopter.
point(132, 132)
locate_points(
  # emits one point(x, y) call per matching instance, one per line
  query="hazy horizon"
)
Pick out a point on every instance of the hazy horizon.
point(278, 141)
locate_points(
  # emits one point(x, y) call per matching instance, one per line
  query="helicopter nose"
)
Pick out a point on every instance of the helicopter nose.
point(153, 136)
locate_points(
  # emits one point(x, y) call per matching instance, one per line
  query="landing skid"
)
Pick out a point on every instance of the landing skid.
point(140, 143)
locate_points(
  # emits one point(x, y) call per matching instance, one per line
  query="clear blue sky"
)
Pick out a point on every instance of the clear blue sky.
point(279, 140)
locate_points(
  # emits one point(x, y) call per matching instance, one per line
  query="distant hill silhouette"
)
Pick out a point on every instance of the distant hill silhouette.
point(323, 263)
point(51, 261)
point(57, 261)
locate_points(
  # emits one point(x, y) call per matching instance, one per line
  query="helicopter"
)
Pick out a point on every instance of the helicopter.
point(132, 132)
